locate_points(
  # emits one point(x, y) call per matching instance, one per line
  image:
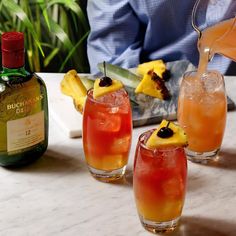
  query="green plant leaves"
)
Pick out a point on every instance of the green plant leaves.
point(60, 33)
point(72, 51)
point(15, 9)
point(52, 54)
point(72, 5)
point(55, 32)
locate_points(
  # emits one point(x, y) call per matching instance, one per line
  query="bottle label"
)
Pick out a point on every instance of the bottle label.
point(25, 132)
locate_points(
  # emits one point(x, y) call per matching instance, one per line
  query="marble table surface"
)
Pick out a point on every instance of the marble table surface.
point(56, 195)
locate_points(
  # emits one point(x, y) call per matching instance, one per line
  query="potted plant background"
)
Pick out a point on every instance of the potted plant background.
point(55, 32)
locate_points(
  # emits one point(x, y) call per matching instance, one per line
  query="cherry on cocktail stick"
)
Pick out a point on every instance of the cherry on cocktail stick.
point(105, 81)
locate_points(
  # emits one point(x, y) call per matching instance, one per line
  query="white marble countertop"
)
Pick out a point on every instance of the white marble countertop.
point(57, 195)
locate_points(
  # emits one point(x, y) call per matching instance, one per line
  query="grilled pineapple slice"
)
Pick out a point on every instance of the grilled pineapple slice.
point(153, 85)
point(158, 66)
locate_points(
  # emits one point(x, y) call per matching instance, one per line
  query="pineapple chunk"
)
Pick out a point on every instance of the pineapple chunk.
point(99, 91)
point(158, 66)
point(79, 103)
point(178, 138)
point(152, 85)
point(73, 83)
point(72, 86)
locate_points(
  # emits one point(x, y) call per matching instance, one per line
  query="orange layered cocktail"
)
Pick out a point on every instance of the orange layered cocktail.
point(159, 183)
point(107, 127)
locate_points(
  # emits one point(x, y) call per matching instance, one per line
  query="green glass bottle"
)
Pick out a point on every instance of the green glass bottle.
point(23, 106)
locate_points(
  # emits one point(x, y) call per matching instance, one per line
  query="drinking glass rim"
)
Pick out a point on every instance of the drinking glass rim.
point(217, 75)
point(205, 73)
point(90, 97)
point(141, 143)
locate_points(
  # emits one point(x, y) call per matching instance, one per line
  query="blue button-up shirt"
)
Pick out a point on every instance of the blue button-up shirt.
point(128, 32)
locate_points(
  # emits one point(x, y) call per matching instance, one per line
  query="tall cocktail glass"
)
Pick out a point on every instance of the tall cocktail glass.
point(107, 129)
point(159, 183)
point(202, 108)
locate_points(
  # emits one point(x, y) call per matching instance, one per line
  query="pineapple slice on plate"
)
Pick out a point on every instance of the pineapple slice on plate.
point(153, 85)
point(158, 66)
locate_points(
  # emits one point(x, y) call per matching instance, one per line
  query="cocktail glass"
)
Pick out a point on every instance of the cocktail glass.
point(202, 108)
point(159, 182)
point(107, 128)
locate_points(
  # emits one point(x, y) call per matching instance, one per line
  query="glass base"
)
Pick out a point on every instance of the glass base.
point(107, 176)
point(202, 157)
point(159, 227)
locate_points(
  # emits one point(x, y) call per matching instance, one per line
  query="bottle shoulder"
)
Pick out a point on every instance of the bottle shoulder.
point(17, 82)
point(39, 79)
point(18, 76)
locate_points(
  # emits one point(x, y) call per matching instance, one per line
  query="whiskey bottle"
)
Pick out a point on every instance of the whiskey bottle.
point(23, 106)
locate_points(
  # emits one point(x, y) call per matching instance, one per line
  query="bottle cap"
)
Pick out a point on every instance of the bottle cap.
point(12, 49)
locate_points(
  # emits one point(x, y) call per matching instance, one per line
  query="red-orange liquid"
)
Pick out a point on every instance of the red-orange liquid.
point(159, 183)
point(107, 133)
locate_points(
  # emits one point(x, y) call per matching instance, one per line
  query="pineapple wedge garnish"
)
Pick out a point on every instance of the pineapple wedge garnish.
point(168, 134)
point(72, 86)
point(153, 85)
point(158, 66)
point(99, 90)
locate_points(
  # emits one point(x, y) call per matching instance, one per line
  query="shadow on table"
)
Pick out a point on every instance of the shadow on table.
point(226, 160)
point(196, 226)
point(55, 162)
point(129, 177)
point(127, 180)
point(195, 182)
